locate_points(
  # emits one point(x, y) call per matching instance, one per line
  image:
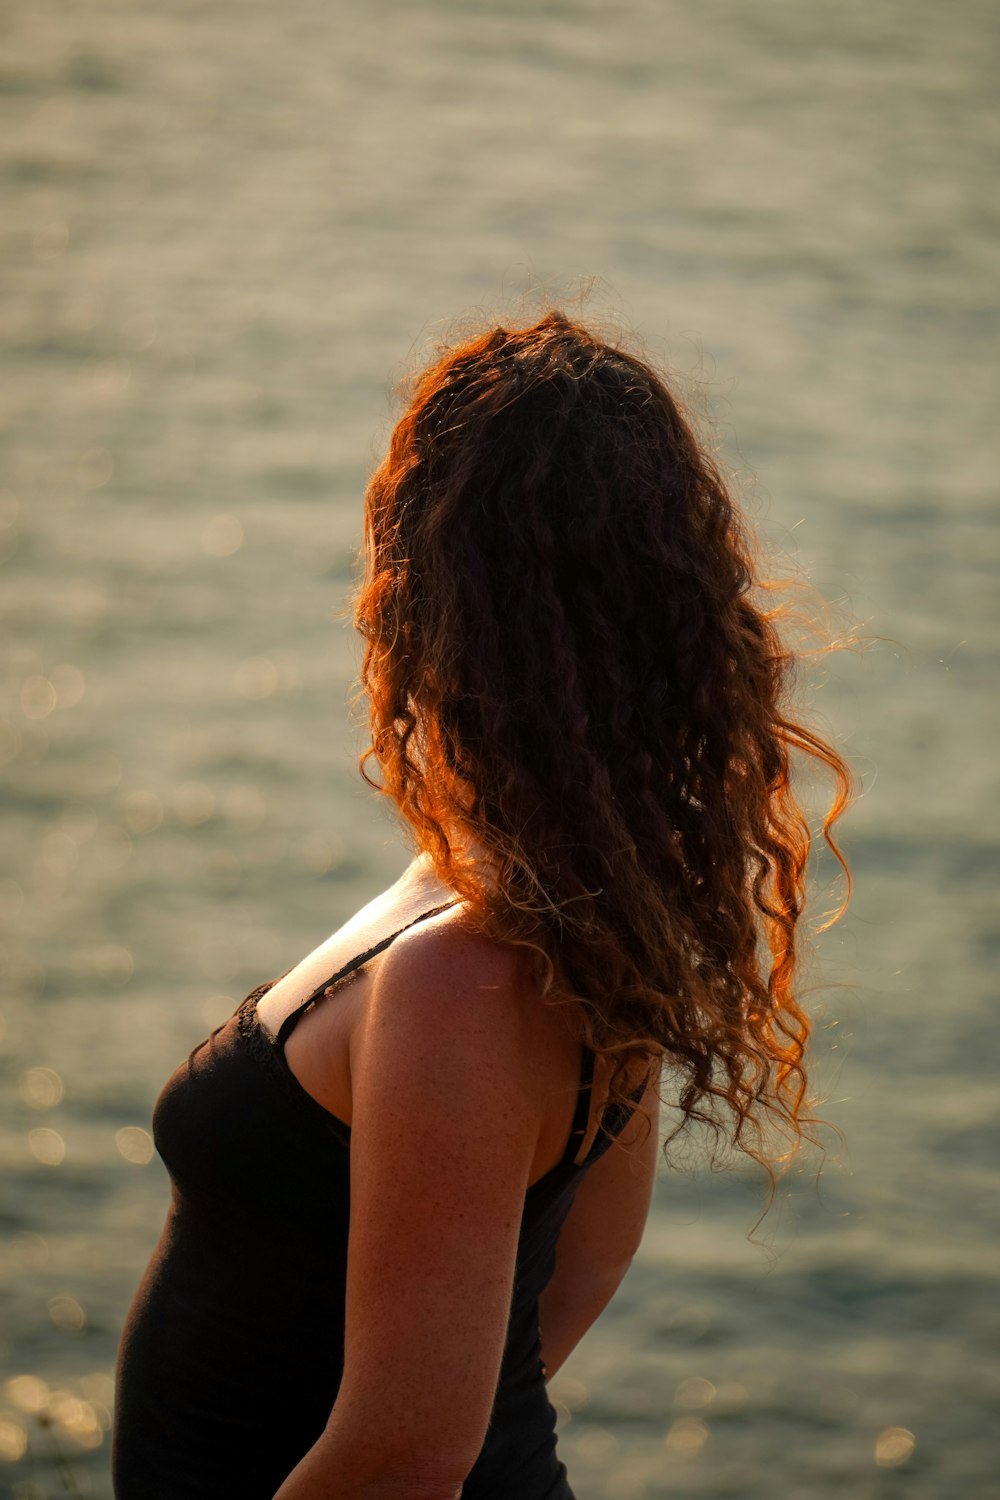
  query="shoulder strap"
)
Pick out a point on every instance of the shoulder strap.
point(357, 962)
point(582, 1112)
point(616, 1117)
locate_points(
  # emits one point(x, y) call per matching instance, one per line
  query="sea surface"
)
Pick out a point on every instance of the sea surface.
point(226, 230)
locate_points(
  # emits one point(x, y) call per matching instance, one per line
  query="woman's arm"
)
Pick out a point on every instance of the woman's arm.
point(444, 1128)
point(601, 1233)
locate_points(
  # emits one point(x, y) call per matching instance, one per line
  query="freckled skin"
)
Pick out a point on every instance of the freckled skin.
point(459, 1084)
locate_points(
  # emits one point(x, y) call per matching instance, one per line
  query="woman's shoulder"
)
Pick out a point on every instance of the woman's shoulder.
point(444, 971)
point(446, 1000)
point(448, 1034)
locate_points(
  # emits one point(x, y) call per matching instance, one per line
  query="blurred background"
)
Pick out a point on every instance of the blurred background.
point(227, 229)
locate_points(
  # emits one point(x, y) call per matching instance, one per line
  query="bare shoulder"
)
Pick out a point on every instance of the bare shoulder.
point(444, 963)
point(458, 1000)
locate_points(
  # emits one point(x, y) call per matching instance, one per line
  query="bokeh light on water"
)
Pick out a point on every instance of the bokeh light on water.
point(224, 231)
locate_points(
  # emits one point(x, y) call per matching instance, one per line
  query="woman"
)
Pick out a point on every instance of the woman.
point(409, 1174)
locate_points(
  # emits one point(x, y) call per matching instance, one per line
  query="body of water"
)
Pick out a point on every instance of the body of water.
point(226, 229)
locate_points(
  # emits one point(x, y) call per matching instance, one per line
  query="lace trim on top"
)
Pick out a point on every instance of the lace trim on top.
point(263, 1048)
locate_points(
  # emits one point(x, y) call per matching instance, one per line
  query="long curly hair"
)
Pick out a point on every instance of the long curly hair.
point(581, 712)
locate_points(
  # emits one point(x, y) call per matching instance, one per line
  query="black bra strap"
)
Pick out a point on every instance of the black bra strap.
point(582, 1112)
point(357, 962)
point(616, 1117)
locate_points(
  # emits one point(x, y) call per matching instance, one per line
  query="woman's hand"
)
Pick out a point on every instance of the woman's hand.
point(444, 1129)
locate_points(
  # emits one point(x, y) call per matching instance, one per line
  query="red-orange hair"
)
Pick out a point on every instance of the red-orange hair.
point(567, 672)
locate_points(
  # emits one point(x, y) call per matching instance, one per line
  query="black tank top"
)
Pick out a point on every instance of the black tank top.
point(232, 1351)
